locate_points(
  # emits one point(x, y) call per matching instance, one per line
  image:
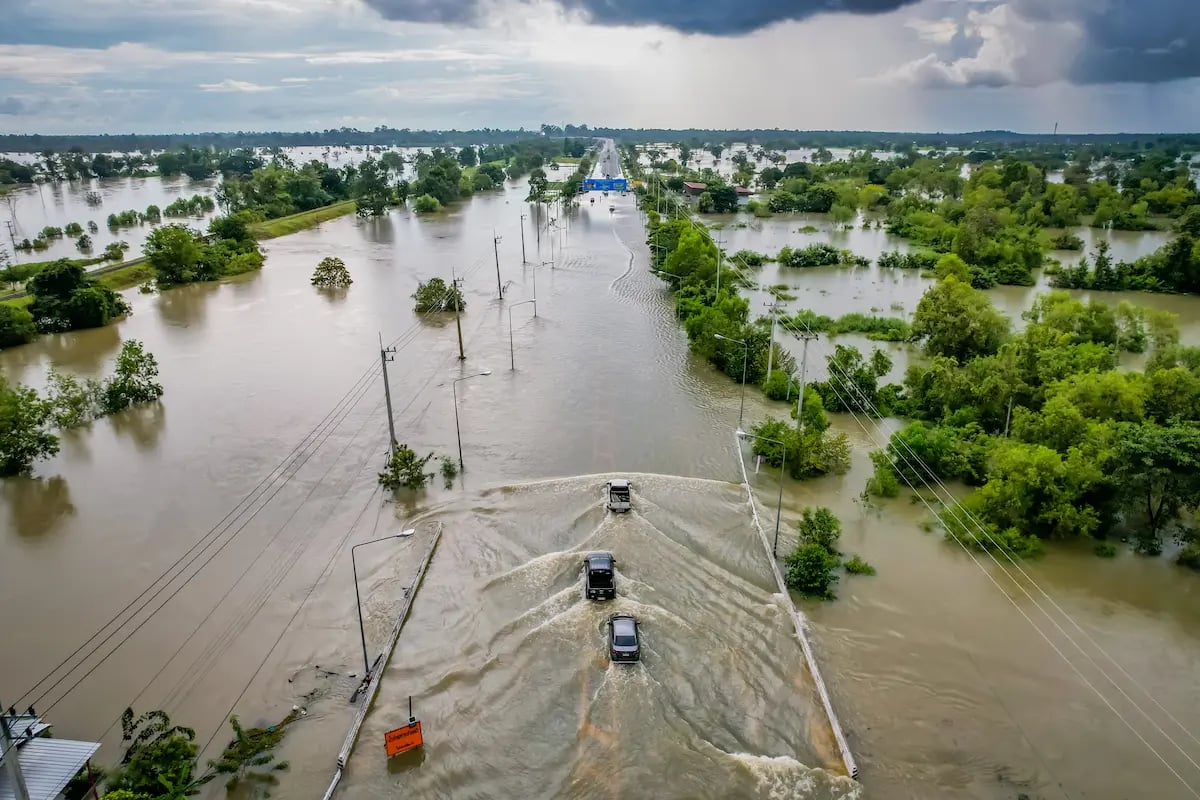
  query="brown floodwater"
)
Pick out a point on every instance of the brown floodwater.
point(273, 392)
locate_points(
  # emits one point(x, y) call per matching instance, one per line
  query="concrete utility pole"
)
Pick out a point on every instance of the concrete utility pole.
point(720, 252)
point(12, 760)
point(496, 250)
point(774, 306)
point(454, 284)
point(806, 338)
point(386, 355)
point(524, 260)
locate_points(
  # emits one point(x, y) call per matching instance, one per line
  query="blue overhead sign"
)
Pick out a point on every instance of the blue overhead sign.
point(605, 185)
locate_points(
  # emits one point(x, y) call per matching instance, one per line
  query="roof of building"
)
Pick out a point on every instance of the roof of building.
point(48, 766)
point(743, 190)
point(694, 185)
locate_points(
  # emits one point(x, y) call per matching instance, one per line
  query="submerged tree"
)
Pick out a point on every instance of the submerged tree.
point(436, 295)
point(331, 273)
point(135, 380)
point(252, 748)
point(405, 469)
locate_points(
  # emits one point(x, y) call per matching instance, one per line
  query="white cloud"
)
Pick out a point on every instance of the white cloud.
point(1012, 51)
point(937, 31)
point(453, 91)
point(230, 85)
point(400, 55)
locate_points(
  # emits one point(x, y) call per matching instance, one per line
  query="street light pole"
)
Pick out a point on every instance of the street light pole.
point(511, 352)
point(496, 250)
point(523, 259)
point(745, 357)
point(362, 632)
point(457, 429)
point(782, 466)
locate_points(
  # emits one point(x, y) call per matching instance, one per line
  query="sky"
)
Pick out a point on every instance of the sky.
point(176, 66)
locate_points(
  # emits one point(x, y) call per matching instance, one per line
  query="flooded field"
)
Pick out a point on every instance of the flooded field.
point(945, 690)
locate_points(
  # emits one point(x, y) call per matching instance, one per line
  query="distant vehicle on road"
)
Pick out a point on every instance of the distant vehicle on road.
point(619, 495)
point(600, 576)
point(624, 646)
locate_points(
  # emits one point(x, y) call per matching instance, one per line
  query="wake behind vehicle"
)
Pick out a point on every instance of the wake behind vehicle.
point(624, 646)
point(600, 576)
point(619, 495)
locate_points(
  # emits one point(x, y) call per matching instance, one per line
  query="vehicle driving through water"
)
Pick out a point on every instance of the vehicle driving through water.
point(619, 494)
point(600, 576)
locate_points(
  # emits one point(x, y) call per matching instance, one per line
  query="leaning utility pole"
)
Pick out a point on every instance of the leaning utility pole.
point(719, 254)
point(496, 250)
point(454, 284)
point(806, 337)
point(524, 260)
point(774, 306)
point(385, 355)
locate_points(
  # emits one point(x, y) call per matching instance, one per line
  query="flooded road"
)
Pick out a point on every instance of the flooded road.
point(944, 690)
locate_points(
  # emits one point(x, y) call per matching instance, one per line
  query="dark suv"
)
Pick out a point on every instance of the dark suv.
point(600, 576)
point(623, 644)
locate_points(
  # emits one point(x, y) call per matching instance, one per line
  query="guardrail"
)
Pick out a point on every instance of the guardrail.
point(800, 625)
point(368, 698)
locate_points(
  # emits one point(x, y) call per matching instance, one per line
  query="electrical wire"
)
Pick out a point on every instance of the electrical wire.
point(850, 387)
point(360, 386)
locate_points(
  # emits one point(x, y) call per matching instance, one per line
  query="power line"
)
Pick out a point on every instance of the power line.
point(227, 522)
point(849, 385)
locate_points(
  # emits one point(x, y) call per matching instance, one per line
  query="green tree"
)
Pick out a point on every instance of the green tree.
point(426, 204)
point(178, 255)
point(809, 570)
point(251, 749)
point(951, 265)
point(405, 469)
point(370, 189)
point(537, 185)
point(331, 273)
point(155, 749)
point(65, 299)
point(25, 433)
point(435, 295)
point(1157, 475)
point(467, 156)
point(958, 321)
point(135, 380)
point(74, 402)
point(820, 526)
point(16, 326)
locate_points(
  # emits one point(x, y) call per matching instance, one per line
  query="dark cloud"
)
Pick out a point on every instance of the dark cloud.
point(1143, 41)
point(715, 17)
point(12, 106)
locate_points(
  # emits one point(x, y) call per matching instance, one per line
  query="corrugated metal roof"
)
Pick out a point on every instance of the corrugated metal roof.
point(20, 726)
point(48, 765)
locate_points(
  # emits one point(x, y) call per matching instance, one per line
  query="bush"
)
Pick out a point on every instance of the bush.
point(16, 326)
point(1104, 550)
point(449, 471)
point(1065, 241)
point(856, 566)
point(331, 273)
point(72, 229)
point(820, 526)
point(809, 570)
point(885, 482)
point(1189, 556)
point(135, 380)
point(435, 295)
point(750, 258)
point(405, 470)
point(84, 243)
point(427, 203)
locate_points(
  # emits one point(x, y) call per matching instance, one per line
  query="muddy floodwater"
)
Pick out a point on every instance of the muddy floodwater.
point(263, 455)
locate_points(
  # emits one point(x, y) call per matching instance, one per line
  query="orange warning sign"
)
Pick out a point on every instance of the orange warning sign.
point(403, 739)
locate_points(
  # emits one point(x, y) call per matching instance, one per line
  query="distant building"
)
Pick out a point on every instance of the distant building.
point(743, 194)
point(694, 188)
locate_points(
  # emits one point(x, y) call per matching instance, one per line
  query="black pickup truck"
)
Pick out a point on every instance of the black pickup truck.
point(600, 576)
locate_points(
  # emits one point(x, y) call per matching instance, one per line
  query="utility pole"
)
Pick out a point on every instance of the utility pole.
point(12, 760)
point(806, 337)
point(774, 306)
point(454, 285)
point(537, 224)
point(386, 355)
point(524, 260)
point(719, 254)
point(496, 250)
point(1008, 418)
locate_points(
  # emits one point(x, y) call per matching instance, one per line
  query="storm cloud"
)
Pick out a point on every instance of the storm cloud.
point(1035, 42)
point(713, 17)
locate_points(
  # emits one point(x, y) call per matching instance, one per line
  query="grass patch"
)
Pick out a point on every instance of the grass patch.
point(133, 273)
point(79, 262)
point(18, 302)
point(565, 160)
point(284, 226)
